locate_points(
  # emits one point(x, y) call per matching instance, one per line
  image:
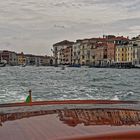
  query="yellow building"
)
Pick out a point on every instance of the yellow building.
point(124, 53)
point(129, 53)
point(21, 59)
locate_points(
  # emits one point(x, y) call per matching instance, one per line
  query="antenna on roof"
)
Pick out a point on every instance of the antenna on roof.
point(103, 32)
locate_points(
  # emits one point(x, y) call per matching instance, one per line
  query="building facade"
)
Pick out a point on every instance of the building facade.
point(76, 53)
point(30, 59)
point(136, 50)
point(67, 56)
point(92, 54)
point(9, 57)
point(21, 58)
point(85, 52)
point(124, 53)
point(111, 51)
point(58, 51)
point(101, 54)
point(136, 55)
point(106, 51)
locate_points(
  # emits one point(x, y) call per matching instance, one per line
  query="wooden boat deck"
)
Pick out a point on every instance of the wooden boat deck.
point(62, 120)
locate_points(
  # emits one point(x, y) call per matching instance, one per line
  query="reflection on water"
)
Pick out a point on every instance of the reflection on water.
point(73, 117)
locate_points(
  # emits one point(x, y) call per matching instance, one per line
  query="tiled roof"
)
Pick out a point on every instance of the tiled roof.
point(65, 42)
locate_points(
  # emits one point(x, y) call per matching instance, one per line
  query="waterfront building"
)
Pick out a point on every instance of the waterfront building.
point(101, 54)
point(39, 60)
point(136, 56)
point(43, 60)
point(93, 43)
point(117, 40)
point(124, 53)
point(129, 53)
point(88, 50)
point(76, 53)
point(9, 57)
point(13, 58)
point(120, 54)
point(136, 50)
point(136, 40)
point(85, 52)
point(61, 56)
point(112, 42)
point(58, 50)
point(30, 59)
point(92, 54)
point(111, 48)
point(93, 51)
point(49, 61)
point(21, 58)
point(66, 56)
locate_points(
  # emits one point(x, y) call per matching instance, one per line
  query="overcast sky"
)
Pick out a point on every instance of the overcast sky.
point(32, 26)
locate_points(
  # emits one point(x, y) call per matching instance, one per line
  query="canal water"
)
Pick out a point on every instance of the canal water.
point(53, 83)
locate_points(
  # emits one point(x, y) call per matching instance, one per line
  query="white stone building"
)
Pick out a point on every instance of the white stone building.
point(57, 50)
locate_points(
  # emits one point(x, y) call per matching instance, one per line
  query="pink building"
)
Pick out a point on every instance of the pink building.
point(101, 54)
point(111, 48)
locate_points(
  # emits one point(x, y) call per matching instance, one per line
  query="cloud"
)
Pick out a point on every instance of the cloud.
point(34, 25)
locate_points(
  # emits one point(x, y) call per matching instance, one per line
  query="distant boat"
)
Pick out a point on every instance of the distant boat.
point(63, 67)
point(2, 64)
point(37, 65)
point(137, 66)
point(75, 65)
point(24, 65)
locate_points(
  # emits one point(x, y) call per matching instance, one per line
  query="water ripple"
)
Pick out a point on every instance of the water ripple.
point(50, 83)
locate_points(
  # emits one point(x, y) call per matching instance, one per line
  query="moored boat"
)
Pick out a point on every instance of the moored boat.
point(2, 64)
point(24, 65)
